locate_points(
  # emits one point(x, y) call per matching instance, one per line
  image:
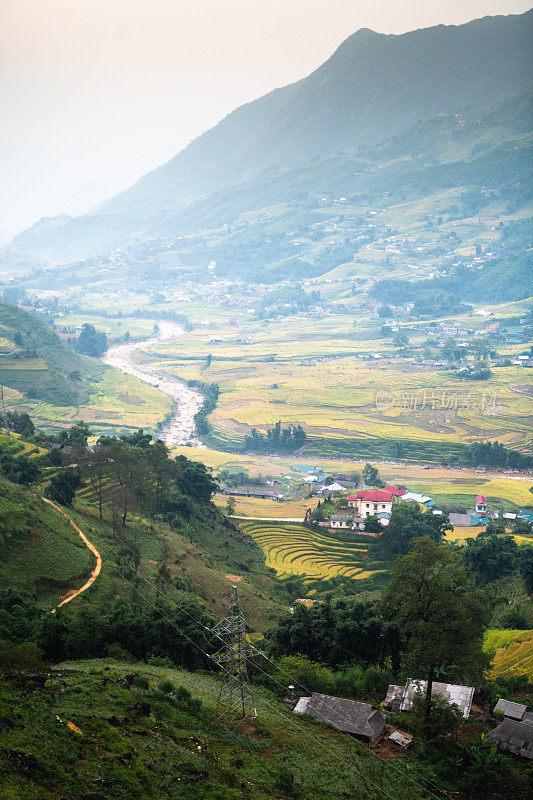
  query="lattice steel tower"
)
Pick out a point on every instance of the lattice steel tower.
point(235, 703)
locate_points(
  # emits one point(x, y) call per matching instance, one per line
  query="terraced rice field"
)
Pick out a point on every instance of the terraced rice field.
point(292, 549)
point(513, 652)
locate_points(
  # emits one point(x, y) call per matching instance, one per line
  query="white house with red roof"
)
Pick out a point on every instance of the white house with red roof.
point(375, 501)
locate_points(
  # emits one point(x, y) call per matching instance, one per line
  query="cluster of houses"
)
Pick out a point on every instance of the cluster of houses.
point(373, 502)
point(514, 735)
point(379, 503)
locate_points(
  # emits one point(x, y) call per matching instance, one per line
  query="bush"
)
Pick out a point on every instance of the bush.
point(17, 658)
point(141, 682)
point(444, 718)
point(166, 686)
point(160, 661)
point(118, 652)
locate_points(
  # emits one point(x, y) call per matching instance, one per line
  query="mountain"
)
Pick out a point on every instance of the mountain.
point(373, 88)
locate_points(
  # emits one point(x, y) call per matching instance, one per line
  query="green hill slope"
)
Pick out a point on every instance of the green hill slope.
point(41, 557)
point(92, 733)
point(35, 362)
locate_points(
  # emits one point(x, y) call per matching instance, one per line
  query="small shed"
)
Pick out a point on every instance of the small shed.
point(513, 737)
point(350, 716)
point(510, 709)
point(400, 698)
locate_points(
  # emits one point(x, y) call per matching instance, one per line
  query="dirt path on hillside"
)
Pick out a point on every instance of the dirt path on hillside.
point(96, 571)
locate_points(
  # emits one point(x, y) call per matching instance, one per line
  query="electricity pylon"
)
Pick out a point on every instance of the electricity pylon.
point(235, 703)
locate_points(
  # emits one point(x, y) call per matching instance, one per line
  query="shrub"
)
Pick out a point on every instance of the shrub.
point(118, 652)
point(160, 661)
point(17, 658)
point(141, 682)
point(166, 686)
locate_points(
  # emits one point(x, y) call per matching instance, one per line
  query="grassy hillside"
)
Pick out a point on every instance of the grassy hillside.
point(41, 555)
point(35, 362)
point(91, 733)
point(45, 377)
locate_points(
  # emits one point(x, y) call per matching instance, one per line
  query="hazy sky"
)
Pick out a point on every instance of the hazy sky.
point(94, 93)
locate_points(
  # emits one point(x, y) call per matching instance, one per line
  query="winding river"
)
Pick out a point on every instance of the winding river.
point(180, 428)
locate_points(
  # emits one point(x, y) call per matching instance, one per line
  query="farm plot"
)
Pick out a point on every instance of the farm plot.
point(513, 652)
point(295, 550)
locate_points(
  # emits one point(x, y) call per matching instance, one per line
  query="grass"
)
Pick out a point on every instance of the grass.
point(42, 556)
point(513, 652)
point(292, 549)
point(89, 731)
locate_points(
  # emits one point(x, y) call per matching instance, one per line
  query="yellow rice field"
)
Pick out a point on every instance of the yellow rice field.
point(292, 549)
point(513, 652)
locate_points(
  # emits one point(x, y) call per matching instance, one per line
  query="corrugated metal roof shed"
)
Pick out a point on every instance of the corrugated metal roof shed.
point(400, 698)
point(346, 715)
point(510, 709)
point(513, 737)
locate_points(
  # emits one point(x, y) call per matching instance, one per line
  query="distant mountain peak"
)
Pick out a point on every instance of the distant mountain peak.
point(375, 86)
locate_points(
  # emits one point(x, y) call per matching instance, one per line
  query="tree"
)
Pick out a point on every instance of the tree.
point(525, 566)
point(371, 476)
point(18, 423)
point(91, 342)
point(162, 469)
point(20, 469)
point(521, 528)
point(372, 524)
point(77, 434)
point(17, 658)
point(129, 474)
point(442, 614)
point(97, 467)
point(409, 522)
point(401, 340)
point(62, 487)
point(230, 506)
point(490, 557)
point(195, 480)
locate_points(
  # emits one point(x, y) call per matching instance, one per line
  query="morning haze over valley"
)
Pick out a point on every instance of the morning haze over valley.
point(266, 494)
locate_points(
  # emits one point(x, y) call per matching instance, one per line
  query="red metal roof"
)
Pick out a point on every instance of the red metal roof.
point(376, 495)
point(395, 491)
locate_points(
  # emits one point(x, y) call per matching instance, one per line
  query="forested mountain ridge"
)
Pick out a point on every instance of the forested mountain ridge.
point(373, 87)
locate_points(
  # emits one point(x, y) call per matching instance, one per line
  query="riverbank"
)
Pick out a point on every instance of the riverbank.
point(180, 429)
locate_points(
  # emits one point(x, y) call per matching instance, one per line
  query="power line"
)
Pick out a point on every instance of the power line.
point(394, 764)
point(218, 636)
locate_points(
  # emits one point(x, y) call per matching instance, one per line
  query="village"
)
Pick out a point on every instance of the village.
point(513, 735)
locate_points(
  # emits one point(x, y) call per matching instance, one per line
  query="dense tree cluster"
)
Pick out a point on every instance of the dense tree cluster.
point(494, 454)
point(285, 301)
point(345, 632)
point(18, 423)
point(91, 342)
point(277, 440)
point(140, 630)
point(407, 523)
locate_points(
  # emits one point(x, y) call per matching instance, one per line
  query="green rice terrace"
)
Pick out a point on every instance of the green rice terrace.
point(298, 550)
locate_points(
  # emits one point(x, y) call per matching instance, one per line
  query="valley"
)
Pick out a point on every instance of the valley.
point(266, 452)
